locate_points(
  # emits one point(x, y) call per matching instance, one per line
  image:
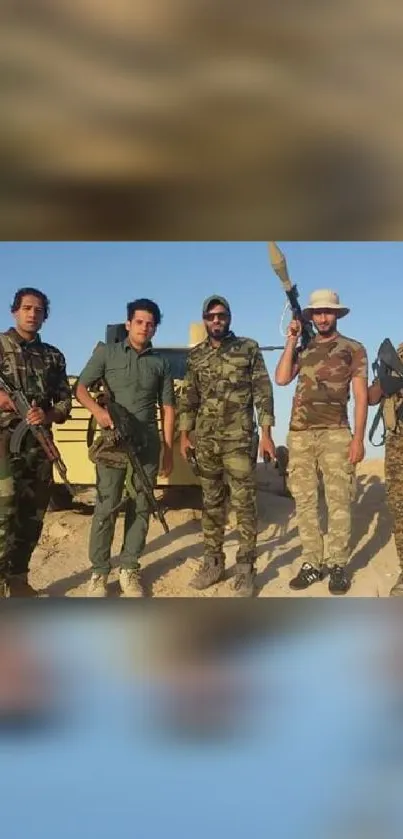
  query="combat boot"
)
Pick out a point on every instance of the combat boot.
point(243, 584)
point(397, 589)
point(130, 582)
point(211, 571)
point(19, 586)
point(97, 586)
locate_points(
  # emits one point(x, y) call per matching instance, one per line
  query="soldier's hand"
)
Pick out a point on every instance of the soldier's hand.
point(185, 445)
point(267, 449)
point(103, 418)
point(167, 462)
point(294, 330)
point(357, 451)
point(6, 404)
point(35, 415)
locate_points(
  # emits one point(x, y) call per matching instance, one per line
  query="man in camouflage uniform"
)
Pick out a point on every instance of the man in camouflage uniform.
point(393, 419)
point(226, 377)
point(26, 478)
point(320, 439)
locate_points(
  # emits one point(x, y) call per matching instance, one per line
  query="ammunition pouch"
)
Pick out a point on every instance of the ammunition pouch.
point(105, 450)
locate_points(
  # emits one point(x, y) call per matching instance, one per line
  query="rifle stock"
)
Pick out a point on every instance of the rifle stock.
point(39, 432)
point(279, 265)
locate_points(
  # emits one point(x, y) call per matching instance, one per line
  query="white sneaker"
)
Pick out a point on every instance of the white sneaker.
point(97, 586)
point(130, 583)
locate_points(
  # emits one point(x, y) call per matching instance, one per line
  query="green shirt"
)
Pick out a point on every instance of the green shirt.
point(138, 380)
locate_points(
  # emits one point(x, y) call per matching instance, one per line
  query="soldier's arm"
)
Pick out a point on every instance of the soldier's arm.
point(262, 391)
point(288, 366)
point(189, 400)
point(188, 406)
point(61, 408)
point(93, 371)
point(6, 404)
point(359, 383)
point(167, 406)
point(375, 393)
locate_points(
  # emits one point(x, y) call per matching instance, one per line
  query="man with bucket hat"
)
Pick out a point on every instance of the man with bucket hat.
point(226, 379)
point(320, 439)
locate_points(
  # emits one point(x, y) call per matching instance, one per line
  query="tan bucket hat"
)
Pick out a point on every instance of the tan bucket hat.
point(324, 298)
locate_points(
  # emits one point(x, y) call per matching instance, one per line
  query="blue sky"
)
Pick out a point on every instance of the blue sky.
point(89, 284)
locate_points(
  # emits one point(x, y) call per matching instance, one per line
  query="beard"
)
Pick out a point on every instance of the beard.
point(218, 334)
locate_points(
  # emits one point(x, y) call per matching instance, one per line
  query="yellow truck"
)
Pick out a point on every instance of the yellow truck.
point(71, 437)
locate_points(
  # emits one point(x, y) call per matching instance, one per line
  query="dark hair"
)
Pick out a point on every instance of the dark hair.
point(24, 292)
point(144, 305)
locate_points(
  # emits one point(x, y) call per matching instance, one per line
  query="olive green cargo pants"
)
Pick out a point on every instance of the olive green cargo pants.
point(110, 485)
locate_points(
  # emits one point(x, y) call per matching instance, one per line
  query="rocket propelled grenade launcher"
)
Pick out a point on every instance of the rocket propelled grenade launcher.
point(279, 265)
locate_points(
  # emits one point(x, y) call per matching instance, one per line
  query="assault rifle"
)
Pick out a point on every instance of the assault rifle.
point(279, 266)
point(129, 436)
point(388, 369)
point(40, 432)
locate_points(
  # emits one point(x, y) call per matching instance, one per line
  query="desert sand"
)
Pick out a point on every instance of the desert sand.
point(60, 566)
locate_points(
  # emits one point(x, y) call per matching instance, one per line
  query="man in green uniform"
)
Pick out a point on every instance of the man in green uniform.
point(320, 439)
point(26, 478)
point(393, 417)
point(226, 378)
point(140, 379)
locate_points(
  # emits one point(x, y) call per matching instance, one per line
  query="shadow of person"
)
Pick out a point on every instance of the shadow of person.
point(372, 524)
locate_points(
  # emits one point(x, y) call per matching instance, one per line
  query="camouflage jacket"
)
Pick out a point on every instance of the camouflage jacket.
point(221, 388)
point(326, 369)
point(39, 369)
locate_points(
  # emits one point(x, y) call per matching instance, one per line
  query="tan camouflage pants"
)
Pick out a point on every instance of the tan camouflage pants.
point(322, 451)
point(394, 488)
point(235, 460)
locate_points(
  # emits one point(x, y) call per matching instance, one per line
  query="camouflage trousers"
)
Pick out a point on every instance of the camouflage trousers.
point(235, 460)
point(25, 488)
point(314, 453)
point(110, 483)
point(394, 488)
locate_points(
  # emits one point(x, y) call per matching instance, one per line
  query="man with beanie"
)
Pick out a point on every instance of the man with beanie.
point(226, 379)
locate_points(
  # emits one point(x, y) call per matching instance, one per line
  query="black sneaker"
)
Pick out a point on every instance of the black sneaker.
point(339, 582)
point(307, 575)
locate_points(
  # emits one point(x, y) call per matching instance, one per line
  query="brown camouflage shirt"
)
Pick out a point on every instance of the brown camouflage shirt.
point(39, 369)
point(326, 369)
point(222, 386)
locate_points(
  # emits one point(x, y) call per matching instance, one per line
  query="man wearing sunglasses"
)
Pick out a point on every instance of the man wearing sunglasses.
point(226, 379)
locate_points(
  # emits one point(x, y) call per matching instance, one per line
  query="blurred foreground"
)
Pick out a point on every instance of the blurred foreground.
point(206, 121)
point(203, 717)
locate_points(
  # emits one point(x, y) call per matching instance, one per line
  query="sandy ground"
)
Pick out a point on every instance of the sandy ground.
point(60, 565)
